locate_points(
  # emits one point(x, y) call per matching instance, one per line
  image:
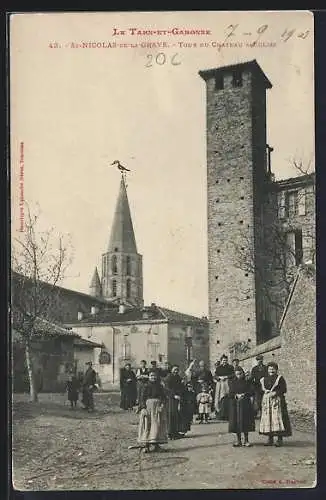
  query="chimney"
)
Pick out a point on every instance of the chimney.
point(79, 315)
point(122, 308)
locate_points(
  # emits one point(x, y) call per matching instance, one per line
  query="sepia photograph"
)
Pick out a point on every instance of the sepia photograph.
point(163, 270)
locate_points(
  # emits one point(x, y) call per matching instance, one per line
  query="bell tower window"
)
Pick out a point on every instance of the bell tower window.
point(128, 285)
point(114, 288)
point(114, 264)
point(128, 265)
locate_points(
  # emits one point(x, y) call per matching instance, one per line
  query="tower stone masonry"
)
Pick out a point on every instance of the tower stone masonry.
point(237, 172)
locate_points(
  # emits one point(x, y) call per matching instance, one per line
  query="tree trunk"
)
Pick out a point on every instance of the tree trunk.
point(32, 386)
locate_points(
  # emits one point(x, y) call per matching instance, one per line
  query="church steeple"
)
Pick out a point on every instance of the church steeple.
point(95, 287)
point(122, 238)
point(122, 270)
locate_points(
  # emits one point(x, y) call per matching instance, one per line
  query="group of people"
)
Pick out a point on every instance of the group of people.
point(167, 403)
point(86, 383)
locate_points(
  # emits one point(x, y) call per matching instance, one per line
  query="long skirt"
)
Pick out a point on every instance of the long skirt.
point(174, 417)
point(241, 415)
point(152, 424)
point(128, 397)
point(88, 398)
point(275, 419)
point(221, 403)
point(186, 415)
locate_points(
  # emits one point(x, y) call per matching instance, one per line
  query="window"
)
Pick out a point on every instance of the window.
point(292, 203)
point(128, 289)
point(114, 264)
point(294, 248)
point(128, 265)
point(298, 247)
point(237, 78)
point(126, 350)
point(114, 288)
point(219, 82)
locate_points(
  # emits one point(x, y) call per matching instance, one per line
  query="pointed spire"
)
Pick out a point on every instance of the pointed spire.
point(95, 286)
point(122, 238)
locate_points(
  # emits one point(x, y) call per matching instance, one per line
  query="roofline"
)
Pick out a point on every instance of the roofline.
point(207, 73)
point(192, 319)
point(118, 323)
point(103, 301)
point(295, 181)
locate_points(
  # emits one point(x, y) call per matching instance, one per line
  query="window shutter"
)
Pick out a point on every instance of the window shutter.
point(281, 205)
point(302, 202)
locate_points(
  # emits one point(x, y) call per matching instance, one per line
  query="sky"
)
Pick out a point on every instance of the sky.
point(78, 109)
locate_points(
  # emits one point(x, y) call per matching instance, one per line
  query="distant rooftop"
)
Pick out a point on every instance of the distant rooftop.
point(292, 182)
point(142, 314)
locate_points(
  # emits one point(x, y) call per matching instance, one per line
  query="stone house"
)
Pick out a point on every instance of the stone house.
point(150, 333)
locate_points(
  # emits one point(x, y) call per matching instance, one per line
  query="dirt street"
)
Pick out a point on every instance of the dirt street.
point(56, 448)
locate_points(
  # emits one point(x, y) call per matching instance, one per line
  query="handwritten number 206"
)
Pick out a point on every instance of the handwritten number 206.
point(160, 59)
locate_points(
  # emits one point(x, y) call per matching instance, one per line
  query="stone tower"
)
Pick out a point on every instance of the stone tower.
point(237, 171)
point(95, 287)
point(122, 273)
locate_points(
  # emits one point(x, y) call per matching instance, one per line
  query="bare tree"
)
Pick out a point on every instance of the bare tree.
point(40, 259)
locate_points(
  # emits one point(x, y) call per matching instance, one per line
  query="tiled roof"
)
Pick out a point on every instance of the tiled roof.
point(86, 343)
point(146, 314)
point(292, 182)
point(178, 317)
point(48, 328)
point(134, 314)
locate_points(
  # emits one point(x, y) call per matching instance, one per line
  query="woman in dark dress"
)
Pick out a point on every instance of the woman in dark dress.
point(128, 388)
point(275, 419)
point(241, 411)
point(223, 374)
point(174, 389)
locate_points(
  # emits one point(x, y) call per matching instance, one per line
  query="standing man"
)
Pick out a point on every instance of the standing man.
point(89, 383)
point(258, 371)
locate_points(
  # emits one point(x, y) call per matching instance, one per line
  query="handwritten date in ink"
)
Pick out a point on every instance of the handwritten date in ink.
point(161, 58)
point(234, 30)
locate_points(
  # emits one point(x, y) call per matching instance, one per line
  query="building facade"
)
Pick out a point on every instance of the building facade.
point(150, 333)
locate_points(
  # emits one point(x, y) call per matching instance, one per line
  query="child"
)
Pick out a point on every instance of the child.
point(241, 411)
point(188, 406)
point(73, 390)
point(204, 400)
point(274, 414)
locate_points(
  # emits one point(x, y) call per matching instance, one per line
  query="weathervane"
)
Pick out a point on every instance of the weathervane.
point(121, 168)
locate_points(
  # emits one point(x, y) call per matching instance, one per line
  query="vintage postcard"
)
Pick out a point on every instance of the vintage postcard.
point(163, 250)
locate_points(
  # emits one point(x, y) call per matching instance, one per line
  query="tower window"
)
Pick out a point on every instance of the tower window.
point(128, 265)
point(217, 201)
point(241, 197)
point(216, 277)
point(241, 221)
point(220, 223)
point(217, 321)
point(216, 182)
point(116, 249)
point(114, 264)
point(114, 288)
point(237, 78)
point(241, 178)
point(218, 250)
point(227, 180)
point(128, 289)
point(248, 319)
point(246, 274)
point(219, 82)
point(216, 299)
